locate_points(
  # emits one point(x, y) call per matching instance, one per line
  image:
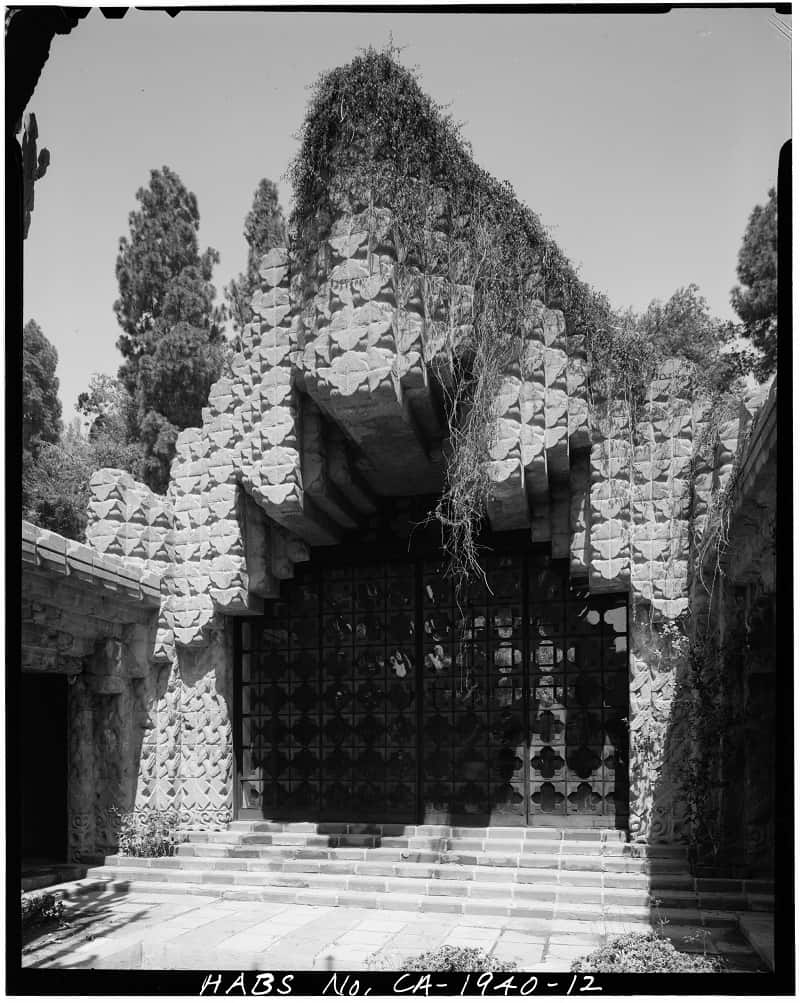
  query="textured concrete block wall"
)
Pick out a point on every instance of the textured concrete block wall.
point(661, 495)
point(121, 744)
point(659, 539)
point(341, 350)
point(684, 463)
point(129, 521)
point(158, 741)
point(203, 779)
point(609, 500)
point(363, 305)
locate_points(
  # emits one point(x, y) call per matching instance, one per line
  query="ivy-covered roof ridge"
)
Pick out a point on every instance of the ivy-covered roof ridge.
point(473, 262)
point(372, 137)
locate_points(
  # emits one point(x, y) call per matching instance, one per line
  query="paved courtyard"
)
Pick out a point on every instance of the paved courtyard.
point(143, 930)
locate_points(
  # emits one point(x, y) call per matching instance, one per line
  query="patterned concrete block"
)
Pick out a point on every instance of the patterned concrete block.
point(556, 400)
point(662, 493)
point(508, 501)
point(578, 417)
point(609, 493)
point(532, 413)
point(579, 515)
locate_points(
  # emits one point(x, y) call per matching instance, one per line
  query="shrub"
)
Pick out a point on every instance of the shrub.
point(643, 952)
point(40, 907)
point(456, 959)
point(148, 833)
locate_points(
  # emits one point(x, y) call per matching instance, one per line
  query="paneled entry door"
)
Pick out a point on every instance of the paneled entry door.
point(367, 694)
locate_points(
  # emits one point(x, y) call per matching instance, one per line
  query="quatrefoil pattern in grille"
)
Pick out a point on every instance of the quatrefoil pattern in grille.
point(370, 692)
point(330, 673)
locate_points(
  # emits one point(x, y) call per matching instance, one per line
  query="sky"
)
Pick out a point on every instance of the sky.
point(643, 141)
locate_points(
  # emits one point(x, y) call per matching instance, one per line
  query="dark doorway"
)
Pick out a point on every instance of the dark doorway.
point(368, 694)
point(43, 766)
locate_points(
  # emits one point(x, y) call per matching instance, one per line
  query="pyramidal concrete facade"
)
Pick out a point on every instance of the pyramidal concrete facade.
point(333, 403)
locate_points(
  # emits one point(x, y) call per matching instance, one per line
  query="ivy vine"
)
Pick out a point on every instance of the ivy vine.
point(480, 263)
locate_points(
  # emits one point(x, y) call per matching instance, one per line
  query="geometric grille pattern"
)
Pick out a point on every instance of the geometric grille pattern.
point(473, 704)
point(329, 697)
point(578, 662)
point(367, 694)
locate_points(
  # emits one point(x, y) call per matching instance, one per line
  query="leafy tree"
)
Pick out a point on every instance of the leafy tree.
point(165, 309)
point(109, 407)
point(178, 376)
point(264, 228)
point(161, 274)
point(56, 482)
point(56, 485)
point(683, 327)
point(756, 299)
point(41, 408)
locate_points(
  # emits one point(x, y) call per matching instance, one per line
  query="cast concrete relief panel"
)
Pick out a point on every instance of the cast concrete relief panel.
point(335, 400)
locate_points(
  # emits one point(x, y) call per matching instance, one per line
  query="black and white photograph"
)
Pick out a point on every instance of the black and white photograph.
point(395, 466)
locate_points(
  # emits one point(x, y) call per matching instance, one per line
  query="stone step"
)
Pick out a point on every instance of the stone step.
point(637, 874)
point(549, 833)
point(392, 860)
point(601, 862)
point(451, 844)
point(434, 895)
point(567, 886)
point(585, 882)
point(586, 871)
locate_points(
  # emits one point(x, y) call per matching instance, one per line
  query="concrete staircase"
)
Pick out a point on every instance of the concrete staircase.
point(549, 874)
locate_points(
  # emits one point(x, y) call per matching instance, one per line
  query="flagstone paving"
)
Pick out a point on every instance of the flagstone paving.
point(148, 930)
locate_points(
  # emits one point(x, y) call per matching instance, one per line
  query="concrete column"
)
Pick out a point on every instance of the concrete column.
point(204, 777)
point(81, 778)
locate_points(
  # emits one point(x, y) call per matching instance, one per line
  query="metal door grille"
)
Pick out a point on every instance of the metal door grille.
point(366, 693)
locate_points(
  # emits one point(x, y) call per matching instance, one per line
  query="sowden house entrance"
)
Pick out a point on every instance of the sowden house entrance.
point(366, 694)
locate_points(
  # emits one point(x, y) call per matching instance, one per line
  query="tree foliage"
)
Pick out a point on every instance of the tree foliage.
point(41, 408)
point(171, 340)
point(56, 482)
point(161, 274)
point(756, 299)
point(177, 377)
point(264, 228)
point(683, 328)
point(109, 408)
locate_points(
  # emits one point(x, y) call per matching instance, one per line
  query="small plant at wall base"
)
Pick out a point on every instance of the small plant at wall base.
point(40, 907)
point(148, 833)
point(447, 958)
point(643, 952)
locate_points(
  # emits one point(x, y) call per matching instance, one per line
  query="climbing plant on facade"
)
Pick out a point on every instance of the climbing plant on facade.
point(478, 258)
point(482, 265)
